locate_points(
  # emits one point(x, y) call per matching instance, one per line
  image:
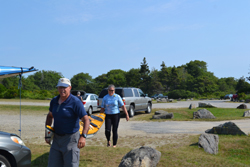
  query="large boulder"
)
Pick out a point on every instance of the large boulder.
point(242, 106)
point(203, 114)
point(228, 128)
point(206, 105)
point(209, 142)
point(246, 113)
point(163, 115)
point(141, 157)
point(192, 106)
point(161, 100)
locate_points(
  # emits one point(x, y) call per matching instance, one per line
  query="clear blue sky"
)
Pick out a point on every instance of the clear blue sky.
point(96, 36)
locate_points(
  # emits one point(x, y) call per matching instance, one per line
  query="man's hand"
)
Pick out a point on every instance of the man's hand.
point(81, 142)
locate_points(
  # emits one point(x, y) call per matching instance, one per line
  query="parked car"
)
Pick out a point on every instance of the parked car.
point(160, 96)
point(13, 152)
point(228, 96)
point(89, 100)
point(133, 98)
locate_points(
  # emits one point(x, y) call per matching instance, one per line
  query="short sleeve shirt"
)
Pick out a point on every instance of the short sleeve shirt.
point(112, 103)
point(67, 115)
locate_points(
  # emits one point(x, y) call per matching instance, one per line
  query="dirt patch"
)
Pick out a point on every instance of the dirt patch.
point(33, 130)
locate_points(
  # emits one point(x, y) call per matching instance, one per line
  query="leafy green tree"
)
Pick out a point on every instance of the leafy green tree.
point(46, 80)
point(144, 76)
point(133, 77)
point(196, 68)
point(101, 82)
point(83, 81)
point(164, 77)
point(242, 86)
point(117, 77)
point(155, 85)
point(2, 90)
point(11, 82)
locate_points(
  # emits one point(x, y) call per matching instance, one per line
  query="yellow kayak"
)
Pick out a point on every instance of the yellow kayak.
point(96, 121)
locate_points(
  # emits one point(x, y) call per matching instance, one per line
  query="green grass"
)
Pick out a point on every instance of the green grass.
point(233, 151)
point(185, 114)
point(25, 100)
point(26, 110)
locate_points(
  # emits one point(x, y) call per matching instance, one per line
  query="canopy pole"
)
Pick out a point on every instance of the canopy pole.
point(19, 87)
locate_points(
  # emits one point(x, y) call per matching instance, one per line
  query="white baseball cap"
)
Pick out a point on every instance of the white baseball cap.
point(64, 82)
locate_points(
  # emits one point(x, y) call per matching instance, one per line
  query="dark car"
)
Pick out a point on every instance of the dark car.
point(159, 96)
point(13, 152)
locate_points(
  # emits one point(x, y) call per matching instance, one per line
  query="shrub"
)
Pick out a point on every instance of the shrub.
point(242, 96)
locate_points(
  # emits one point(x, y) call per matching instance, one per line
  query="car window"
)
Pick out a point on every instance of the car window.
point(85, 97)
point(92, 97)
point(119, 92)
point(96, 97)
point(141, 93)
point(103, 93)
point(136, 93)
point(128, 92)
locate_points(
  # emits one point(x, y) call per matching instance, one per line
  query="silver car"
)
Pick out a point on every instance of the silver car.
point(90, 102)
point(13, 151)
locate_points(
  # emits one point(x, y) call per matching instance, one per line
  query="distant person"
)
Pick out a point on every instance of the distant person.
point(66, 110)
point(110, 104)
point(79, 96)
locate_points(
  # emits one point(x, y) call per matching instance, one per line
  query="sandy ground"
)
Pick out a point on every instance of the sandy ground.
point(33, 129)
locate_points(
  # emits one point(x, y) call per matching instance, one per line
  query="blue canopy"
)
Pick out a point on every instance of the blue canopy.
point(8, 71)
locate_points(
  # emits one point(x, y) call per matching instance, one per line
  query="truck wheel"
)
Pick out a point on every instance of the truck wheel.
point(90, 110)
point(149, 109)
point(4, 161)
point(131, 111)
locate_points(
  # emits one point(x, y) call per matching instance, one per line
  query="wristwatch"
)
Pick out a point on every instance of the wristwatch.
point(84, 135)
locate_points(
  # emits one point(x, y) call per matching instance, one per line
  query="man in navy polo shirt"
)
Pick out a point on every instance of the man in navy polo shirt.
point(66, 110)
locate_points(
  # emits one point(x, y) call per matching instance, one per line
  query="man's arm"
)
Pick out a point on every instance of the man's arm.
point(48, 121)
point(82, 140)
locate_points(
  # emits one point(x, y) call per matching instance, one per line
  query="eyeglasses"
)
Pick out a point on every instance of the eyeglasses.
point(111, 90)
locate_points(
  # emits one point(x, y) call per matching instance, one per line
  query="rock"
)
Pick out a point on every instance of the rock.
point(192, 106)
point(141, 157)
point(203, 113)
point(161, 100)
point(163, 116)
point(242, 106)
point(206, 105)
point(179, 99)
point(228, 128)
point(246, 113)
point(209, 142)
point(160, 112)
point(170, 100)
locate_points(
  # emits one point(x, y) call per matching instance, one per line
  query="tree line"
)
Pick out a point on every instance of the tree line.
point(191, 80)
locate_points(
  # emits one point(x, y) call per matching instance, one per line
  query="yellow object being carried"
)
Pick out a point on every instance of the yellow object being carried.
point(49, 134)
point(96, 122)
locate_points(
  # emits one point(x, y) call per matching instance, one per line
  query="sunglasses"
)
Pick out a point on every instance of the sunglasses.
point(111, 90)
